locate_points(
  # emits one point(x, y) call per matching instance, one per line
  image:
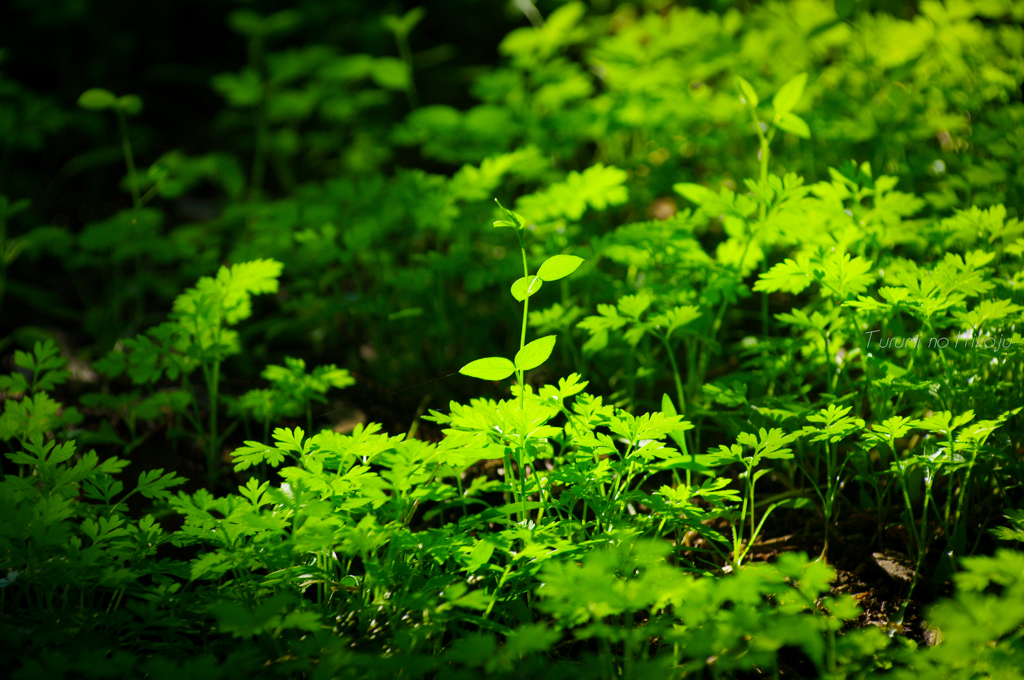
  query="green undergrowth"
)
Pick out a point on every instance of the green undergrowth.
point(758, 284)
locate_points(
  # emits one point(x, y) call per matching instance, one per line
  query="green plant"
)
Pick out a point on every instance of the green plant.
point(1014, 532)
point(98, 99)
point(36, 412)
point(198, 336)
point(835, 425)
point(529, 356)
point(69, 549)
point(401, 27)
point(767, 446)
point(830, 321)
point(979, 629)
point(292, 393)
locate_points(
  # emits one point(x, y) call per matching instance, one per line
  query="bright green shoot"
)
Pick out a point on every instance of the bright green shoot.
point(832, 424)
point(531, 355)
point(784, 101)
point(767, 444)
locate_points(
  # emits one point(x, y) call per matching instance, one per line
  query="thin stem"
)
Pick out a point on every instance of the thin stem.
point(762, 213)
point(520, 374)
point(511, 485)
point(133, 183)
point(3, 249)
point(675, 373)
point(212, 384)
point(406, 54)
point(526, 300)
point(129, 158)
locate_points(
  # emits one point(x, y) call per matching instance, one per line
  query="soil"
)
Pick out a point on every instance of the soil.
point(878, 578)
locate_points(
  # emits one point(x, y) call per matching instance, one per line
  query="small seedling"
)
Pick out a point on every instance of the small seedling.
point(531, 355)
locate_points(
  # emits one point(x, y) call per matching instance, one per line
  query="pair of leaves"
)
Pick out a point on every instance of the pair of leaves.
point(783, 102)
point(553, 269)
point(498, 368)
point(537, 352)
point(98, 99)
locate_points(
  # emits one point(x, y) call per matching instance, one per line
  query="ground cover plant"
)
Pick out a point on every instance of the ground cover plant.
point(679, 342)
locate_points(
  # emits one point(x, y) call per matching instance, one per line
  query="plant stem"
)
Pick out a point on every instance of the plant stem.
point(212, 385)
point(3, 249)
point(522, 387)
point(762, 214)
point(406, 54)
point(526, 300)
point(675, 373)
point(129, 158)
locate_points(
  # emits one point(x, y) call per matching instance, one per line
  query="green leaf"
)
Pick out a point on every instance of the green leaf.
point(228, 296)
point(767, 444)
point(535, 353)
point(491, 368)
point(15, 383)
point(526, 641)
point(284, 21)
point(515, 220)
point(558, 267)
point(526, 286)
point(789, 276)
point(695, 193)
point(480, 555)
point(634, 305)
point(891, 430)
point(291, 439)
point(748, 92)
point(97, 99)
point(789, 94)
point(254, 453)
point(272, 614)
point(845, 277)
point(987, 311)
point(597, 187)
point(825, 26)
point(390, 73)
point(241, 89)
point(154, 483)
point(836, 425)
point(254, 491)
point(794, 124)
point(46, 365)
point(130, 104)
point(667, 407)
point(244, 22)
point(676, 317)
point(730, 395)
point(402, 26)
point(406, 313)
